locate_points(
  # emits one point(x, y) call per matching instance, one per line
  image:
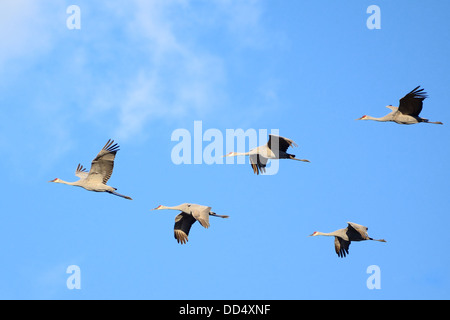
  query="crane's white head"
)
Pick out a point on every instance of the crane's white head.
point(56, 180)
point(363, 118)
point(315, 233)
point(158, 208)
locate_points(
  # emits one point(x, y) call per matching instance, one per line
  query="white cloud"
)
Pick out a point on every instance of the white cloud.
point(174, 76)
point(23, 30)
point(243, 19)
point(127, 66)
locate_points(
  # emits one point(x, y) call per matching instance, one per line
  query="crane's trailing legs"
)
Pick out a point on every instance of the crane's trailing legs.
point(119, 195)
point(292, 157)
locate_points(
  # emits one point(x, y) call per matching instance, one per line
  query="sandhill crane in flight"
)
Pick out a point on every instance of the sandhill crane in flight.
point(343, 237)
point(408, 110)
point(101, 170)
point(189, 214)
point(275, 148)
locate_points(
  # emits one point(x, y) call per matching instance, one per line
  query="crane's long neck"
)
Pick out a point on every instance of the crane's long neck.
point(180, 207)
point(236, 154)
point(331, 234)
point(382, 119)
point(68, 183)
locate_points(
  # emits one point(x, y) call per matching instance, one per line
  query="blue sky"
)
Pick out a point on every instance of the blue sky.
point(137, 73)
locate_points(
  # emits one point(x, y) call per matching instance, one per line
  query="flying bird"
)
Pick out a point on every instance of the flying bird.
point(101, 170)
point(276, 148)
point(408, 110)
point(189, 214)
point(343, 237)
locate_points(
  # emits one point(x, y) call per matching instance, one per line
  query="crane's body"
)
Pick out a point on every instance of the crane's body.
point(276, 148)
point(101, 170)
point(408, 110)
point(343, 237)
point(190, 213)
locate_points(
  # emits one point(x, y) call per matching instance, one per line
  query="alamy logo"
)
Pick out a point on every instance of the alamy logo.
point(74, 20)
point(208, 147)
point(374, 21)
point(74, 280)
point(374, 281)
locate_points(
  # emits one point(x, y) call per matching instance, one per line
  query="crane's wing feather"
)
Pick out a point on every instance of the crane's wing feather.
point(356, 231)
point(341, 246)
point(412, 103)
point(183, 223)
point(280, 143)
point(258, 163)
point(201, 214)
point(81, 172)
point(103, 164)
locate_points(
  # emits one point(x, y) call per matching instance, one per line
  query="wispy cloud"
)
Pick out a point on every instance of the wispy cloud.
point(24, 30)
point(175, 76)
point(243, 20)
point(129, 66)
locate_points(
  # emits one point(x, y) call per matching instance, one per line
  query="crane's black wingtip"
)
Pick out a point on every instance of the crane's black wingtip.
point(111, 146)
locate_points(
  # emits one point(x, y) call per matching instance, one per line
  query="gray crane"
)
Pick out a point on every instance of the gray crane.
point(101, 170)
point(408, 110)
point(343, 237)
point(276, 148)
point(189, 214)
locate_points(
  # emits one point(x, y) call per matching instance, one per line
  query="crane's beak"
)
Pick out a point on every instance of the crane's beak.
point(52, 180)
